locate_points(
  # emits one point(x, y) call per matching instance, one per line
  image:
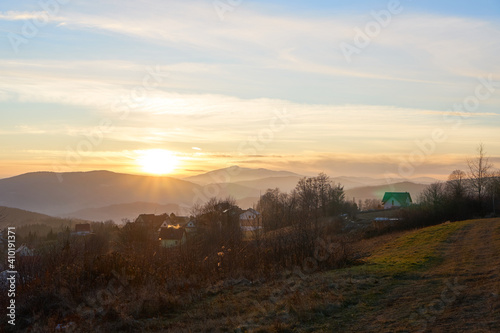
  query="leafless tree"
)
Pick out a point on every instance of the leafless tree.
point(372, 204)
point(323, 187)
point(456, 184)
point(433, 195)
point(479, 172)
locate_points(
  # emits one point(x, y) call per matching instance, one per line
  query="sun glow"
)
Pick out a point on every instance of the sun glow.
point(157, 161)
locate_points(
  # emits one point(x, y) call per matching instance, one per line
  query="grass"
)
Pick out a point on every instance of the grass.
point(413, 251)
point(333, 300)
point(404, 272)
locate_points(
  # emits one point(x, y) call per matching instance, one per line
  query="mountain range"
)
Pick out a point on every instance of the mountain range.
point(105, 195)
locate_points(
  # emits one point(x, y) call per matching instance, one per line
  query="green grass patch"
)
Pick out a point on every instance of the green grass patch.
point(414, 251)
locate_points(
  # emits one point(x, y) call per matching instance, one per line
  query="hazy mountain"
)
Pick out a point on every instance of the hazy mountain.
point(104, 195)
point(223, 190)
point(236, 174)
point(354, 182)
point(47, 193)
point(128, 211)
point(262, 179)
point(246, 203)
point(377, 192)
point(285, 184)
point(18, 217)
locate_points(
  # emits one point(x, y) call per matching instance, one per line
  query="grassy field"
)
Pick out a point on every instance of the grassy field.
point(444, 278)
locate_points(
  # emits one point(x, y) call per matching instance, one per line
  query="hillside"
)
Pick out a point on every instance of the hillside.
point(127, 211)
point(44, 192)
point(16, 217)
point(443, 278)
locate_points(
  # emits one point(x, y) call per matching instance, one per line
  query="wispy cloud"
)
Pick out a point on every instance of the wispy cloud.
point(22, 16)
point(222, 83)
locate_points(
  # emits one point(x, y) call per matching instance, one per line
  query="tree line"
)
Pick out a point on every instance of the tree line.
point(472, 193)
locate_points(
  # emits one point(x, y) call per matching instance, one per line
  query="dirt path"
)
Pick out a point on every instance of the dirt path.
point(459, 294)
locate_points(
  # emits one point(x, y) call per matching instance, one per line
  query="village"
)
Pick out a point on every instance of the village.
point(171, 231)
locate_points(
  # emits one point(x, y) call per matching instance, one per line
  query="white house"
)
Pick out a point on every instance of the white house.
point(396, 199)
point(251, 224)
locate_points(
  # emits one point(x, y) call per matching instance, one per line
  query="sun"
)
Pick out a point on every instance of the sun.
point(157, 161)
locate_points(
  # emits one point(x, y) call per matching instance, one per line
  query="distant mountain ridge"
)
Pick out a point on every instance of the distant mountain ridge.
point(43, 192)
point(235, 174)
point(104, 195)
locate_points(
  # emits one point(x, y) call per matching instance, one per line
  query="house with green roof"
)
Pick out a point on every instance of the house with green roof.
point(396, 199)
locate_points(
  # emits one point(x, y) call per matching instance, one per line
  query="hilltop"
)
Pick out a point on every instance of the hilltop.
point(14, 217)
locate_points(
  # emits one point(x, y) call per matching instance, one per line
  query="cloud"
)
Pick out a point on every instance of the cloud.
point(458, 46)
point(22, 16)
point(221, 83)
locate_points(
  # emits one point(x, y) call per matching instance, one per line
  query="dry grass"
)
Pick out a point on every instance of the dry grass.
point(402, 274)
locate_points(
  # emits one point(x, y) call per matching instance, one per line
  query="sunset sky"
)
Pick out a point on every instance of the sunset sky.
point(200, 85)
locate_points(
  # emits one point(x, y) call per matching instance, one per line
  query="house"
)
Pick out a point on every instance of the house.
point(396, 199)
point(24, 251)
point(171, 236)
point(251, 224)
point(192, 226)
point(178, 221)
point(82, 229)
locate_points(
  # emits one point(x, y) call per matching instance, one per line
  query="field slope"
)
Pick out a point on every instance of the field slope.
point(444, 278)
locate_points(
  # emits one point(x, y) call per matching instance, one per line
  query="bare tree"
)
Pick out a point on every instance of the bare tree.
point(323, 187)
point(372, 204)
point(308, 199)
point(479, 172)
point(456, 183)
point(495, 189)
point(433, 195)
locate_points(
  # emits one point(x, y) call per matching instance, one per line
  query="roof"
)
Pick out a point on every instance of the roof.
point(181, 220)
point(82, 227)
point(23, 250)
point(250, 218)
point(172, 233)
point(401, 197)
point(249, 214)
point(152, 219)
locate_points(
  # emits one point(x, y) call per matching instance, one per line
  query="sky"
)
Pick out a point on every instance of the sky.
point(366, 88)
